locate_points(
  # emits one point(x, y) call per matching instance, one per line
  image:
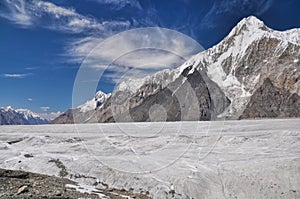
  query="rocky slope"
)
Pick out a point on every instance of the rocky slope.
point(238, 78)
point(83, 111)
point(10, 116)
point(22, 185)
point(270, 101)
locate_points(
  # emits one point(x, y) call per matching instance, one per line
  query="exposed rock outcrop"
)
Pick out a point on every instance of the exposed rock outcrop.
point(272, 102)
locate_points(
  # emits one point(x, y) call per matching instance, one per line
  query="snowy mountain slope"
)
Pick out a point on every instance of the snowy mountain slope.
point(239, 65)
point(233, 70)
point(240, 39)
point(97, 101)
point(251, 53)
point(10, 116)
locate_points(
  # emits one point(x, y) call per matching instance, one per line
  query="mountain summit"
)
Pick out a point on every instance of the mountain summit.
point(98, 100)
point(253, 72)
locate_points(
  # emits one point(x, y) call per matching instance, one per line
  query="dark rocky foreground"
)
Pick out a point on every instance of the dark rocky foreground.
point(20, 184)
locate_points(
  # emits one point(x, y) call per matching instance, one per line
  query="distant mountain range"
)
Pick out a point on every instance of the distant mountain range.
point(254, 72)
point(10, 116)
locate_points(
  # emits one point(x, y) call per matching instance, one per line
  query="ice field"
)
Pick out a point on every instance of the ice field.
point(222, 159)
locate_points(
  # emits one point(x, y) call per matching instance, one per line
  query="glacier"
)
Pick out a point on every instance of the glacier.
point(219, 159)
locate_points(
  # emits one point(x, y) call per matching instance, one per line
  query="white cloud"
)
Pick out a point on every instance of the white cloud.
point(32, 12)
point(155, 59)
point(119, 4)
point(16, 11)
point(56, 11)
point(29, 99)
point(45, 108)
point(31, 68)
point(143, 50)
point(67, 19)
point(138, 47)
point(16, 75)
point(78, 49)
point(48, 15)
point(28, 13)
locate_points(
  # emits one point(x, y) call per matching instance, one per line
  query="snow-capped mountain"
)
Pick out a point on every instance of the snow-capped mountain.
point(99, 98)
point(10, 116)
point(251, 53)
point(253, 72)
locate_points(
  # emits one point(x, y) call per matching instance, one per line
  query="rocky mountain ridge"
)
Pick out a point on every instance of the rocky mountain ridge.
point(83, 110)
point(10, 116)
point(234, 79)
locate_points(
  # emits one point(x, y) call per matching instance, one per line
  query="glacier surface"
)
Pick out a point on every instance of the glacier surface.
point(220, 159)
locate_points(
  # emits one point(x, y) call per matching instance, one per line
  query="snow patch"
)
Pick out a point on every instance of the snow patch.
point(83, 188)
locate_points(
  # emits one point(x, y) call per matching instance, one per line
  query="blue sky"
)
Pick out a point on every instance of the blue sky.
point(42, 43)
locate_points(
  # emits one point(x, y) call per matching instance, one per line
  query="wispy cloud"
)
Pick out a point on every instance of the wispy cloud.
point(136, 53)
point(30, 13)
point(34, 12)
point(38, 13)
point(238, 8)
point(16, 75)
point(45, 108)
point(16, 12)
point(31, 68)
point(29, 99)
point(119, 4)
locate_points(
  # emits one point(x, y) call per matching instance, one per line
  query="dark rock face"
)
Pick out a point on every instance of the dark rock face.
point(272, 102)
point(179, 101)
point(192, 96)
point(188, 98)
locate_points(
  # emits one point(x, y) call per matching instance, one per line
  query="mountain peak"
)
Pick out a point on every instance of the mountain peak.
point(9, 108)
point(252, 28)
point(252, 21)
point(100, 94)
point(99, 98)
point(248, 24)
